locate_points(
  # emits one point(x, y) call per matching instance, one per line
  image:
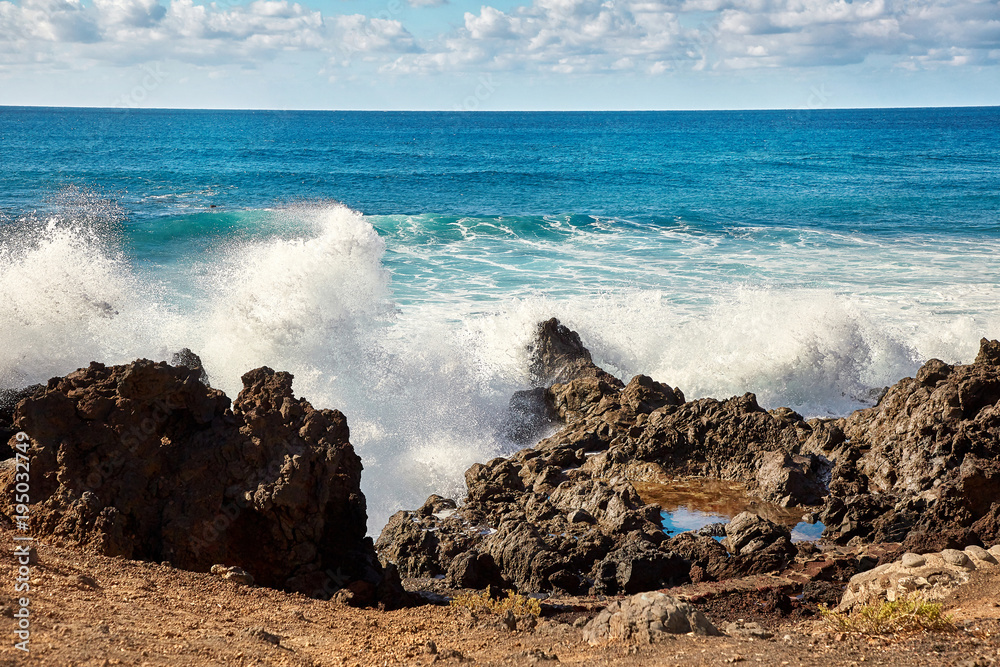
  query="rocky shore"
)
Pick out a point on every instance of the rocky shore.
point(147, 462)
point(918, 472)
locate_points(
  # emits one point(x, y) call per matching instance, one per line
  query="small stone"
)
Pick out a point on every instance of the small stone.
point(263, 635)
point(430, 647)
point(580, 622)
point(956, 558)
point(239, 575)
point(218, 568)
point(980, 553)
point(747, 630)
point(913, 560)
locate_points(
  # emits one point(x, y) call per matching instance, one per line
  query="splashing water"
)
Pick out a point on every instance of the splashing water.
point(424, 380)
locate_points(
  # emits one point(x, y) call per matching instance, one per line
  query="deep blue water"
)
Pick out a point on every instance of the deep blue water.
point(880, 171)
point(808, 256)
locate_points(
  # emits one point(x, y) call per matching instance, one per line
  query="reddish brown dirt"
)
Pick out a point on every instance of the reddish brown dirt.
point(92, 610)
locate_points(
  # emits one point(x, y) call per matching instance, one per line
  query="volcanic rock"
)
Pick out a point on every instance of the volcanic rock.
point(9, 398)
point(921, 468)
point(557, 356)
point(646, 617)
point(185, 357)
point(144, 461)
point(932, 576)
point(925, 460)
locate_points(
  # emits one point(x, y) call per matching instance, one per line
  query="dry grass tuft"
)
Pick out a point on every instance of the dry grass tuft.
point(905, 615)
point(516, 603)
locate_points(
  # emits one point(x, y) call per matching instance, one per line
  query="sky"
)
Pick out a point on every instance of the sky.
point(500, 55)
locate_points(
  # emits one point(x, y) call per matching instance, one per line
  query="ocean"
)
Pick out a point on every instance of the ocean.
point(397, 263)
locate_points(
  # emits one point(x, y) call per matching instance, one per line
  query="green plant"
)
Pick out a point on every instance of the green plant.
point(516, 603)
point(909, 614)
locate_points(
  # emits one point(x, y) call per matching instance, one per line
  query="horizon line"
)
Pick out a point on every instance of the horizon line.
point(488, 111)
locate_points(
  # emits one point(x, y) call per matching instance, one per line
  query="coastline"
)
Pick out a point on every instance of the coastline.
point(496, 537)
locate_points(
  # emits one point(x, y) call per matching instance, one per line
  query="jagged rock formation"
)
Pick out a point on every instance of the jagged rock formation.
point(145, 461)
point(921, 467)
point(563, 515)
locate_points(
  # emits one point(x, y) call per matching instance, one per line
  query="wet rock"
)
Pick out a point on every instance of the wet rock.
point(530, 415)
point(9, 398)
point(558, 356)
point(645, 618)
point(144, 461)
point(435, 504)
point(191, 361)
point(558, 516)
point(919, 469)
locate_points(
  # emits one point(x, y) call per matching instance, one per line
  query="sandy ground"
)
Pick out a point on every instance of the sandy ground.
point(92, 610)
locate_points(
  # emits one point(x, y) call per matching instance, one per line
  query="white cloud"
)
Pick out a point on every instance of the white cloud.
point(131, 31)
point(559, 36)
point(571, 36)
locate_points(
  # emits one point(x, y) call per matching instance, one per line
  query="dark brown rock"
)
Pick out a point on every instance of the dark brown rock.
point(708, 558)
point(471, 569)
point(558, 356)
point(749, 535)
point(9, 398)
point(922, 462)
point(638, 566)
point(927, 455)
point(185, 357)
point(987, 527)
point(144, 461)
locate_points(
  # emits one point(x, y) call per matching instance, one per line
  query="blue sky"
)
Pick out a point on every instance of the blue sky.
point(501, 54)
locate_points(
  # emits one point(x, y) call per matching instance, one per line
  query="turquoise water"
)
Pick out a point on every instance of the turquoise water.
point(396, 262)
point(685, 519)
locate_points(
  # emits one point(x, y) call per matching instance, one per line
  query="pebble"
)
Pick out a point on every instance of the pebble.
point(957, 558)
point(980, 554)
point(913, 560)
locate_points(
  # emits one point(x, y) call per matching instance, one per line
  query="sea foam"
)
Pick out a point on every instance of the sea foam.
point(424, 380)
